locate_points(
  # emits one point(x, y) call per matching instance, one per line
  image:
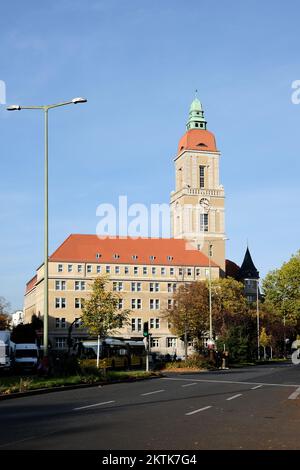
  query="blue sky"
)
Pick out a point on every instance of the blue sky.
point(138, 62)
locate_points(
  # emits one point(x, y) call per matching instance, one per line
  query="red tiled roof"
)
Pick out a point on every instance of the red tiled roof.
point(30, 284)
point(197, 139)
point(83, 248)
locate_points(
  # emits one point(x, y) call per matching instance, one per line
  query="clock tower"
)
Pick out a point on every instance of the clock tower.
point(197, 204)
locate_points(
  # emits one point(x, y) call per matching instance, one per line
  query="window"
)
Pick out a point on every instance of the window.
point(145, 270)
point(135, 270)
point(203, 222)
point(171, 342)
point(116, 256)
point(117, 286)
point(154, 286)
point(202, 177)
point(154, 304)
point(79, 285)
point(60, 343)
point(60, 323)
point(60, 302)
point(136, 324)
point(126, 270)
point(135, 257)
point(77, 323)
point(70, 268)
point(172, 271)
point(98, 269)
point(78, 302)
point(136, 304)
point(206, 272)
point(170, 304)
point(154, 342)
point(154, 323)
point(117, 269)
point(79, 268)
point(98, 255)
point(189, 271)
point(152, 258)
point(171, 287)
point(169, 258)
point(107, 269)
point(180, 271)
point(121, 303)
point(163, 271)
point(89, 268)
point(60, 285)
point(136, 286)
point(153, 270)
point(59, 268)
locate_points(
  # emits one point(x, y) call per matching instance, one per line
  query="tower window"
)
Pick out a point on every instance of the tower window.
point(196, 124)
point(202, 179)
point(203, 222)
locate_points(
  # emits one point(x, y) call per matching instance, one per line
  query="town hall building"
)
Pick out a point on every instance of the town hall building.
point(145, 271)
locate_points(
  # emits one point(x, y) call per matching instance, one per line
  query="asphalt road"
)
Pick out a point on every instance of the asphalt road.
point(250, 408)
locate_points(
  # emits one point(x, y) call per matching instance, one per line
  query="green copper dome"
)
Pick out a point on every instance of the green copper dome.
point(196, 116)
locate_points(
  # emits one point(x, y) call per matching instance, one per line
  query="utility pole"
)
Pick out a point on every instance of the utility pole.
point(257, 320)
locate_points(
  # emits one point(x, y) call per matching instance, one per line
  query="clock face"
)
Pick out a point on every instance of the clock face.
point(204, 203)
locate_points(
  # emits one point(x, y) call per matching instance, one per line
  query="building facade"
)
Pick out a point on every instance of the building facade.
point(145, 271)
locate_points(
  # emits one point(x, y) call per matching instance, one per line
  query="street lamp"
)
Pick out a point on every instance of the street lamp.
point(257, 319)
point(210, 247)
point(45, 109)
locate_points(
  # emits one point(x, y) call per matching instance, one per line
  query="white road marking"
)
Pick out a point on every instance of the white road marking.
point(92, 406)
point(234, 396)
point(197, 411)
point(231, 382)
point(150, 393)
point(188, 385)
point(257, 386)
point(295, 394)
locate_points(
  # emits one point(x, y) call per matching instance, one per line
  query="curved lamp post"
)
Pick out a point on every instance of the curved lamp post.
point(45, 109)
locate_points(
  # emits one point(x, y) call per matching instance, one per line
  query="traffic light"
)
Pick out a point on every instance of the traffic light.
point(146, 329)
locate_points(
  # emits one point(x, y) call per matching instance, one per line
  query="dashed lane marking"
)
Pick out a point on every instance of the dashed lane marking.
point(151, 393)
point(92, 406)
point(234, 396)
point(198, 411)
point(295, 394)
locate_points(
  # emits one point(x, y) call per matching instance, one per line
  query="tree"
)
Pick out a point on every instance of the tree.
point(282, 290)
point(191, 308)
point(229, 306)
point(190, 311)
point(264, 340)
point(100, 312)
point(4, 316)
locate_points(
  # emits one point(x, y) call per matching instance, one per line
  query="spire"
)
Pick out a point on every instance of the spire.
point(248, 269)
point(196, 115)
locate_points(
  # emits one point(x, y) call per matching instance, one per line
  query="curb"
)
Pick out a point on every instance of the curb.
point(65, 388)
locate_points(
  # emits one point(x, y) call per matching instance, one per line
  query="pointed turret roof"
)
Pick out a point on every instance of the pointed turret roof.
point(248, 269)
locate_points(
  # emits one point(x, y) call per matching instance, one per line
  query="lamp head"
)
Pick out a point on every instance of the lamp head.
point(14, 107)
point(79, 100)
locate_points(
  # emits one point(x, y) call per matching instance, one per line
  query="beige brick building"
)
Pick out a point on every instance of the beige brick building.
point(146, 271)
